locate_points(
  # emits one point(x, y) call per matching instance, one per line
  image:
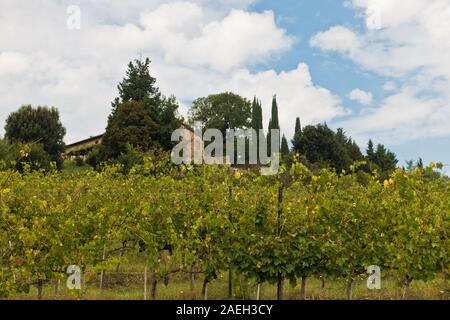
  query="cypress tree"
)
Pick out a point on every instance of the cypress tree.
point(370, 151)
point(273, 123)
point(298, 127)
point(255, 114)
point(260, 116)
point(297, 135)
point(284, 146)
point(257, 120)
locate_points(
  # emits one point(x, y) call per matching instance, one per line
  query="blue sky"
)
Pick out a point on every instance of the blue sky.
point(377, 68)
point(303, 19)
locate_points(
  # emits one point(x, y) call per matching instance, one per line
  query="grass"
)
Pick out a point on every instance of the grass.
point(70, 167)
point(179, 289)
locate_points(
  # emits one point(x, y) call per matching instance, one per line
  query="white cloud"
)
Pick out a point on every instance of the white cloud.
point(12, 63)
point(361, 96)
point(197, 48)
point(234, 41)
point(411, 47)
point(390, 86)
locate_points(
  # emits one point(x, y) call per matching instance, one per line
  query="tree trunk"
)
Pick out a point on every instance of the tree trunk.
point(57, 286)
point(280, 287)
point(350, 285)
point(280, 214)
point(303, 288)
point(192, 280)
point(154, 287)
point(406, 286)
point(323, 282)
point(102, 274)
point(122, 252)
point(258, 292)
point(446, 280)
point(230, 283)
point(205, 290)
point(83, 287)
point(40, 287)
point(145, 282)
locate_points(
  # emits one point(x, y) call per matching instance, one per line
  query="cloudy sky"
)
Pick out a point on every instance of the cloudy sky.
point(377, 68)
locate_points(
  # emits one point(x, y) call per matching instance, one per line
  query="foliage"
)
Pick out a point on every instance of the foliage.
point(209, 218)
point(37, 125)
point(320, 145)
point(222, 111)
point(24, 156)
point(274, 123)
point(381, 159)
point(129, 125)
point(140, 87)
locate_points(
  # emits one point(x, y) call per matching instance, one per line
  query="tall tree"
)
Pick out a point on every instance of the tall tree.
point(370, 151)
point(139, 86)
point(130, 125)
point(323, 147)
point(255, 114)
point(298, 127)
point(257, 121)
point(38, 125)
point(222, 111)
point(383, 159)
point(284, 146)
point(297, 134)
point(273, 123)
point(260, 116)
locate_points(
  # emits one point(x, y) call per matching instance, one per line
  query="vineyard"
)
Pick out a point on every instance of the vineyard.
point(210, 221)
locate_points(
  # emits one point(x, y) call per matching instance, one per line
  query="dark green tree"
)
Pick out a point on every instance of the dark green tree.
point(297, 134)
point(38, 125)
point(321, 146)
point(353, 150)
point(139, 86)
point(284, 147)
point(298, 126)
point(370, 151)
point(257, 120)
point(385, 159)
point(255, 114)
point(381, 159)
point(273, 123)
point(131, 126)
point(222, 111)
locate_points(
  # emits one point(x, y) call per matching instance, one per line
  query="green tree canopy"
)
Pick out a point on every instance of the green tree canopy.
point(38, 125)
point(222, 111)
point(273, 123)
point(284, 146)
point(322, 146)
point(384, 160)
point(257, 119)
point(139, 86)
point(297, 132)
point(130, 125)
